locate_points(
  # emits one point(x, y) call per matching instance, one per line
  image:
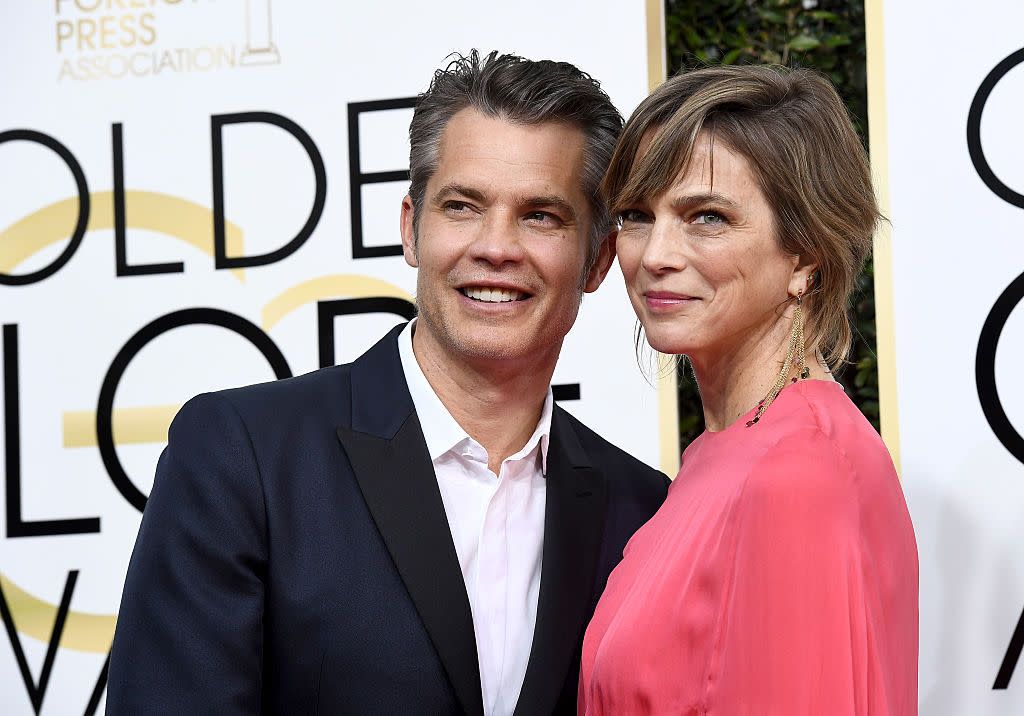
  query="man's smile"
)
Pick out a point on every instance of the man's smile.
point(489, 294)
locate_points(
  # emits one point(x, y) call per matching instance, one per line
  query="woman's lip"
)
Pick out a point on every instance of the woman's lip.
point(665, 301)
point(667, 296)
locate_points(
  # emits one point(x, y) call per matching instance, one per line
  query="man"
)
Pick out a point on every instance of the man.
point(422, 531)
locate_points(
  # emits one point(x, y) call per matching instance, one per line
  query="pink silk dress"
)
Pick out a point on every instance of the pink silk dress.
point(779, 577)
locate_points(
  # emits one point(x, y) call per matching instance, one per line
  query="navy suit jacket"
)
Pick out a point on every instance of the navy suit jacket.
point(294, 557)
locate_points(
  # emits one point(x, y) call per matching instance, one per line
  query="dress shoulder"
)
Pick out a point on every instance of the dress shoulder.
point(820, 449)
point(820, 614)
point(805, 481)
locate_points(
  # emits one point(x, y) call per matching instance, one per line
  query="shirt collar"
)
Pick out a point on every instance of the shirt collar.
point(440, 430)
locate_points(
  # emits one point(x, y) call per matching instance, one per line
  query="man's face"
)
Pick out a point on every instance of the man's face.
point(502, 240)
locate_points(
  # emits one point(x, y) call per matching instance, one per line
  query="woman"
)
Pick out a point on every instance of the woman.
point(780, 576)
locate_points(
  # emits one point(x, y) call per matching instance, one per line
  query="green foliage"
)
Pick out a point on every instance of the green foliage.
point(827, 35)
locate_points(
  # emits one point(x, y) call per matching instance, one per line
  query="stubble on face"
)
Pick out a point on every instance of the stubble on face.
point(502, 212)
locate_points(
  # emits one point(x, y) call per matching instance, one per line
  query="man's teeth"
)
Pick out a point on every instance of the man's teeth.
point(493, 295)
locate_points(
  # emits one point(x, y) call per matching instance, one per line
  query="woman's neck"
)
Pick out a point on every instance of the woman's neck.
point(733, 379)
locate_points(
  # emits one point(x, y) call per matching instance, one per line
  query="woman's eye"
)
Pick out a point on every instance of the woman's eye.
point(709, 217)
point(632, 216)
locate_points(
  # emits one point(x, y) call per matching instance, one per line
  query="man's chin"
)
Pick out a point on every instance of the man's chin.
point(472, 349)
point(500, 345)
point(479, 342)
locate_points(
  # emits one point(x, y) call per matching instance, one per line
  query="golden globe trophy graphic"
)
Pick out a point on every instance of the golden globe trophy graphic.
point(259, 44)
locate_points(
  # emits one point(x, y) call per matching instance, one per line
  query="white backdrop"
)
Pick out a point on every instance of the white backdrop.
point(957, 261)
point(136, 100)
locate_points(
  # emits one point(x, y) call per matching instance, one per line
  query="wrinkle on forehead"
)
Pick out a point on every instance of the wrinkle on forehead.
point(698, 176)
point(525, 164)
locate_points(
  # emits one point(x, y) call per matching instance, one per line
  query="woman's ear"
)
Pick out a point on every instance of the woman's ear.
point(805, 274)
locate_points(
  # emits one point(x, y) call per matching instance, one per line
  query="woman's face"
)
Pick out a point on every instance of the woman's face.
point(703, 269)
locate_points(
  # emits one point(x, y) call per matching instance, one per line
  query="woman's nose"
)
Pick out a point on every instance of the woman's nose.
point(663, 252)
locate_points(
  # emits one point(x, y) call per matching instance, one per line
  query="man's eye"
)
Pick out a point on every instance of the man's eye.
point(632, 216)
point(709, 217)
point(456, 206)
point(541, 217)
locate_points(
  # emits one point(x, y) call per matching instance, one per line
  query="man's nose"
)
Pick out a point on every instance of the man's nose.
point(499, 239)
point(664, 251)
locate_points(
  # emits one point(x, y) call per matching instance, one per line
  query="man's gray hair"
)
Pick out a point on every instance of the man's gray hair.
point(525, 92)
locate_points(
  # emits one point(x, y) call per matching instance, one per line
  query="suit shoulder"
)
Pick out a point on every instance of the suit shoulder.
point(618, 464)
point(283, 399)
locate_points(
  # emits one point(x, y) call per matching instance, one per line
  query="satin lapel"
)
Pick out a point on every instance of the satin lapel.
point(573, 524)
point(398, 483)
point(389, 457)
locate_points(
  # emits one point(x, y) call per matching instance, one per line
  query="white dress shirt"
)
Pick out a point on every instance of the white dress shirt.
point(497, 525)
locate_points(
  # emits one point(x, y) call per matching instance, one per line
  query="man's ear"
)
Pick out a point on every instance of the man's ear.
point(603, 263)
point(409, 232)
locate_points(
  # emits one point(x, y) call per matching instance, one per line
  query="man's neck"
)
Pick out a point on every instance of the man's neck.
point(497, 402)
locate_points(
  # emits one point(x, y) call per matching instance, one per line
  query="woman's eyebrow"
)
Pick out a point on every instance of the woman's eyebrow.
point(689, 200)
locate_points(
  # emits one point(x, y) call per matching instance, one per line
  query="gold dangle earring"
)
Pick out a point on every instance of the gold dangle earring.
point(794, 360)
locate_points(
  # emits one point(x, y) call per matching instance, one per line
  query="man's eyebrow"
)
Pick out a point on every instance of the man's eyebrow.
point(553, 201)
point(450, 190)
point(534, 202)
point(688, 200)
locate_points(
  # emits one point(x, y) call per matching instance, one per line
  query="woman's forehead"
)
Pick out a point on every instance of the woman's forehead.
point(712, 167)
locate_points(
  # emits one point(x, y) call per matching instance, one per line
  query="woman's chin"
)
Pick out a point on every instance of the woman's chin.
point(676, 337)
point(669, 345)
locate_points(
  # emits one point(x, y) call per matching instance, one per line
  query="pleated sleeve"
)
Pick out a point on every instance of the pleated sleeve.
point(820, 613)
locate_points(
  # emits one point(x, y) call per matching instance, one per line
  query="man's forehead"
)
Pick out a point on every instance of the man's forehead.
point(471, 132)
point(491, 153)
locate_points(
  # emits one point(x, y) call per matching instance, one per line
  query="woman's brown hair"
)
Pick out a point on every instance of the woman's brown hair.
point(792, 127)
